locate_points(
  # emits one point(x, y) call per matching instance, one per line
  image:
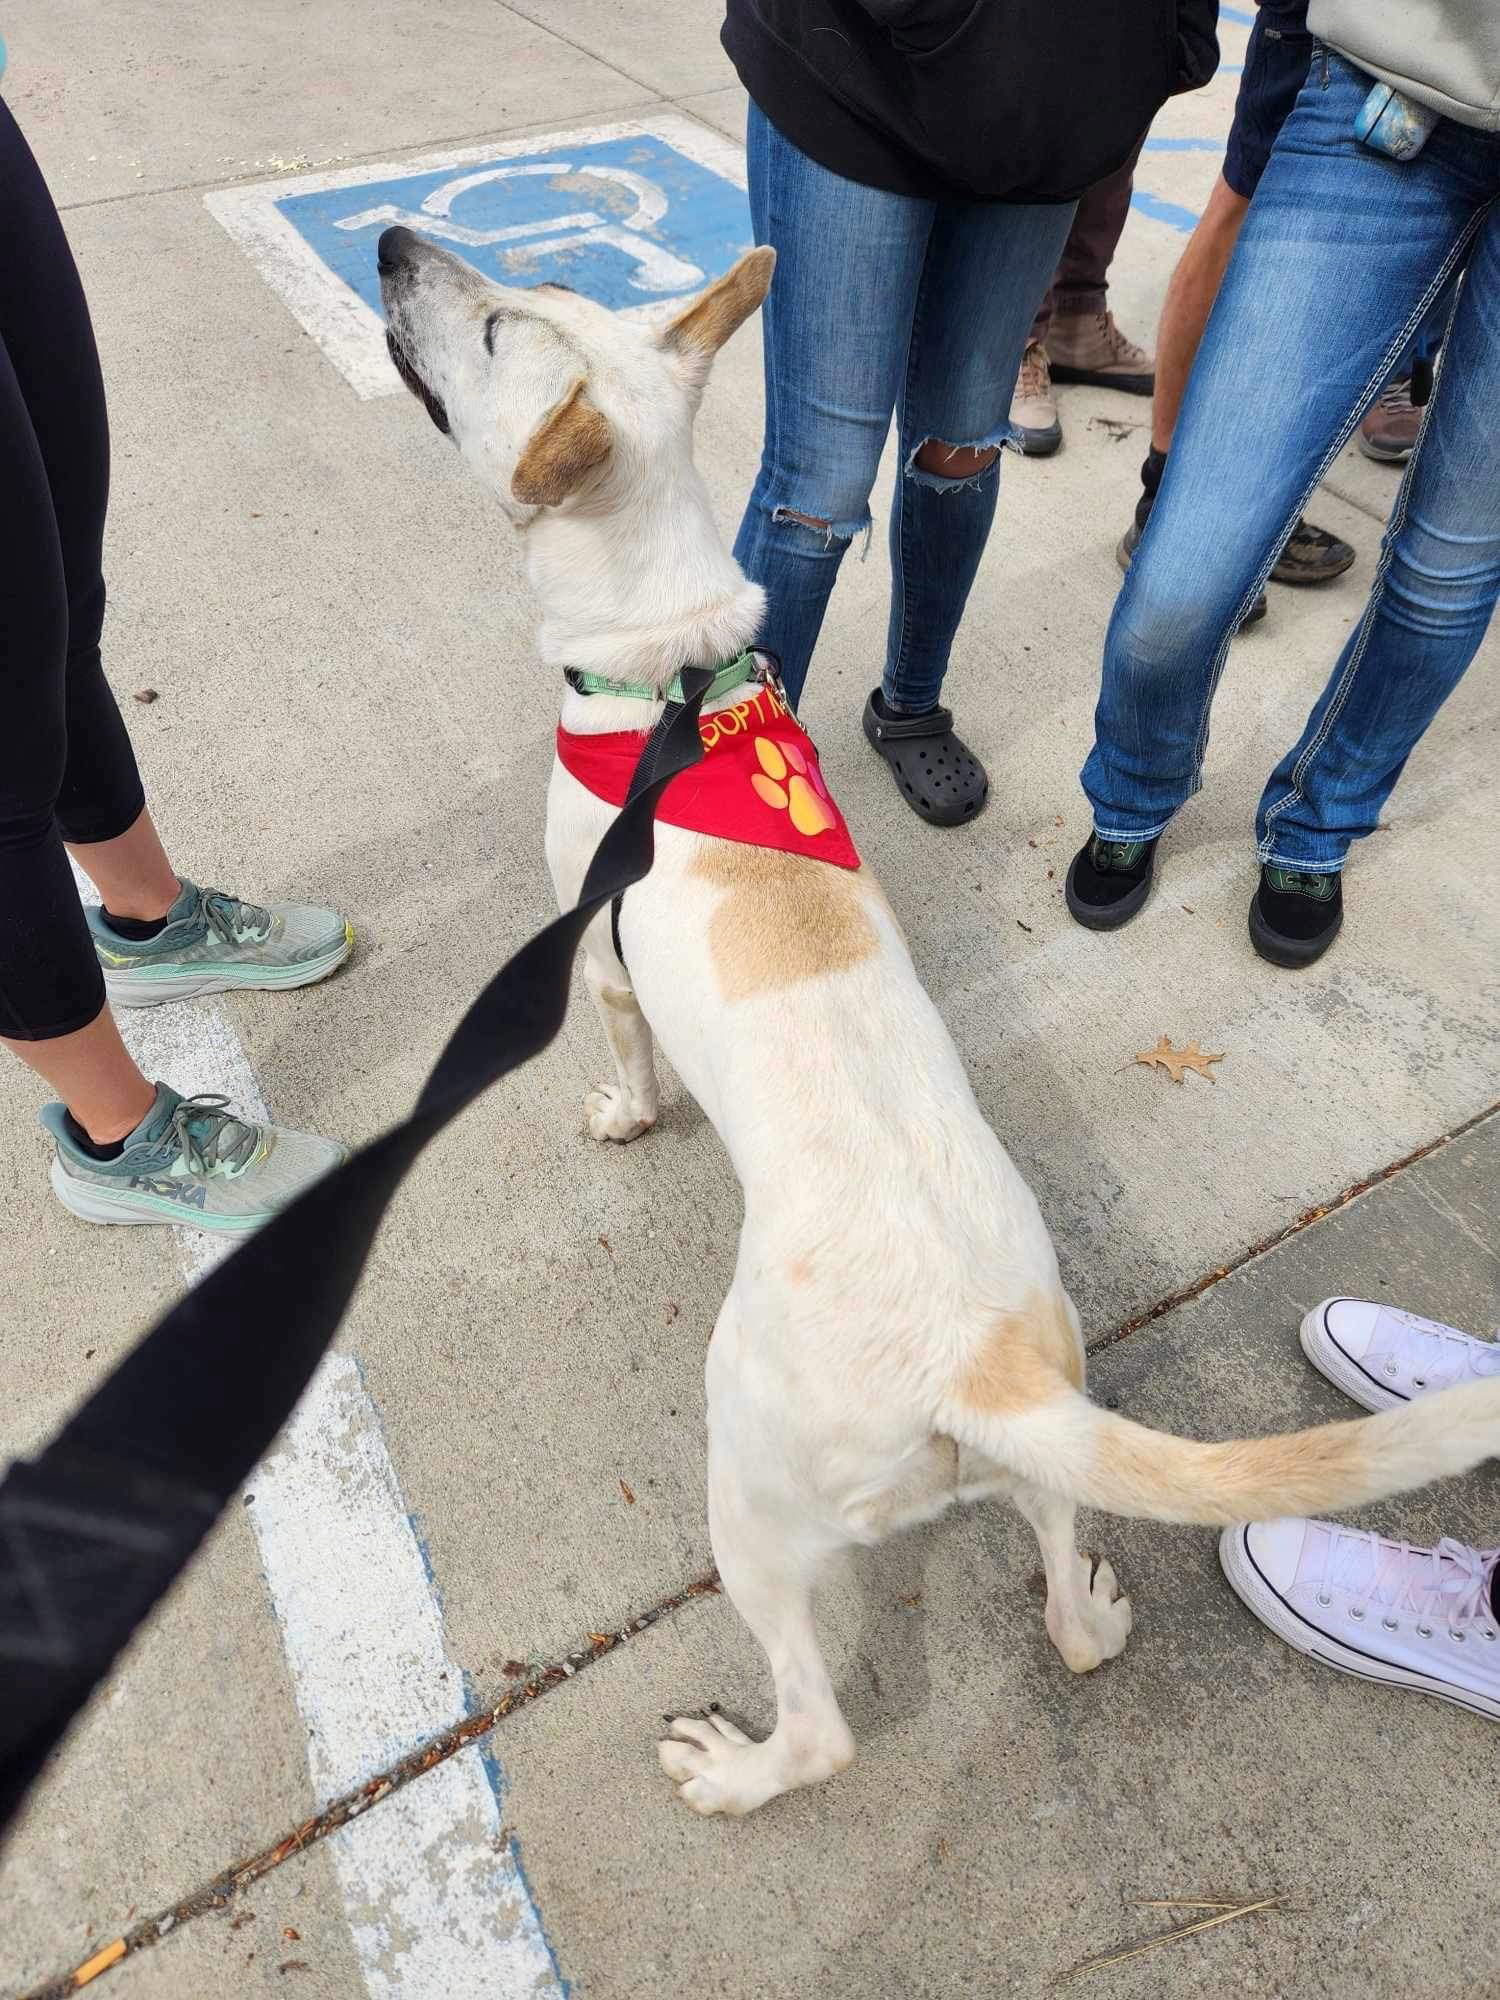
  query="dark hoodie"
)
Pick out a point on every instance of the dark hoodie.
point(973, 100)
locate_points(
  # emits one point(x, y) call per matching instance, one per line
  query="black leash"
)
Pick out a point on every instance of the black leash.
point(96, 1527)
point(646, 773)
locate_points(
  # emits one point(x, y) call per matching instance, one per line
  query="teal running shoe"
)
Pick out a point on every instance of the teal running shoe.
point(214, 943)
point(189, 1161)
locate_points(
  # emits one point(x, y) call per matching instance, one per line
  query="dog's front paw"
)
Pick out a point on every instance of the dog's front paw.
point(611, 1115)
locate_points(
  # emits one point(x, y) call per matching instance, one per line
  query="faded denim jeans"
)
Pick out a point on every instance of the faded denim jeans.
point(1341, 256)
point(880, 303)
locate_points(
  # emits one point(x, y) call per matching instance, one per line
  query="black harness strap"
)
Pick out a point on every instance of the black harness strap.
point(95, 1528)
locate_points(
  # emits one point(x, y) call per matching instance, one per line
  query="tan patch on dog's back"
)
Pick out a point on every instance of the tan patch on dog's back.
point(1019, 1361)
point(782, 919)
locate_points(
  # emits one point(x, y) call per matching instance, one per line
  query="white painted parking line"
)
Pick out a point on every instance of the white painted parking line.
point(434, 1892)
point(432, 1885)
point(663, 211)
point(434, 1895)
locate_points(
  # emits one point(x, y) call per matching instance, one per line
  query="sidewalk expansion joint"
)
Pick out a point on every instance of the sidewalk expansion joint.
point(579, 48)
point(1305, 1220)
point(229, 1883)
point(1331, 484)
point(397, 150)
point(224, 1887)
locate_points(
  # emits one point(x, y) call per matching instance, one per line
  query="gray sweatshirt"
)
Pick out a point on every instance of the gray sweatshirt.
point(1443, 53)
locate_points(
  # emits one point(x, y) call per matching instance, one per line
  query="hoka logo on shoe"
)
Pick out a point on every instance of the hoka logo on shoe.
point(191, 1194)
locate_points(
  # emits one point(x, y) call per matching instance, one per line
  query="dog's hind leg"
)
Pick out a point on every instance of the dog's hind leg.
point(626, 1108)
point(1087, 1618)
point(769, 1577)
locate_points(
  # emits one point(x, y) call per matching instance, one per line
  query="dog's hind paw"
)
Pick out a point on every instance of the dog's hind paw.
point(1096, 1627)
point(715, 1766)
point(613, 1117)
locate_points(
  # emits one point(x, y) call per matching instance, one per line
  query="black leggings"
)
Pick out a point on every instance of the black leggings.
point(67, 771)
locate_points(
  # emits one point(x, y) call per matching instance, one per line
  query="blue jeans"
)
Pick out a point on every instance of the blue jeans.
point(1340, 257)
point(882, 302)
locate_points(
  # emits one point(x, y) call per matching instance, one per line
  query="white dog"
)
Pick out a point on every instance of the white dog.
point(896, 1336)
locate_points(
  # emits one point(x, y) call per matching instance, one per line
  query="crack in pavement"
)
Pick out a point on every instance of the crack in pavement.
point(401, 154)
point(220, 1891)
point(1360, 505)
point(1305, 1220)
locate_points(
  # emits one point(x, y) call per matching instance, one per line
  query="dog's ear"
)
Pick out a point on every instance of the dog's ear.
point(698, 333)
point(566, 446)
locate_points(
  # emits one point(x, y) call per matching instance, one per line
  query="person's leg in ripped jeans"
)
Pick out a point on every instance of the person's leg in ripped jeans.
point(885, 303)
point(1339, 258)
point(127, 1149)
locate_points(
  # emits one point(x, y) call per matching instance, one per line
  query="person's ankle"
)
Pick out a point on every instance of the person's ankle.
point(888, 705)
point(145, 914)
point(132, 930)
point(102, 1133)
point(1080, 305)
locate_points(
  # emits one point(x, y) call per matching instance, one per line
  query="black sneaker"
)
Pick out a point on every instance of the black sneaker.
point(1130, 541)
point(1312, 555)
point(1109, 881)
point(1294, 916)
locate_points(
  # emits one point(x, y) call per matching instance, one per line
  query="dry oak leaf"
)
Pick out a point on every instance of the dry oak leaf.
point(1177, 1061)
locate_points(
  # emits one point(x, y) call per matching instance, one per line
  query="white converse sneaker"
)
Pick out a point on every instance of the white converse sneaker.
point(1415, 1618)
point(1382, 1357)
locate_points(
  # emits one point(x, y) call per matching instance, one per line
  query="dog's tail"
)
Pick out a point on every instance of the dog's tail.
point(1069, 1446)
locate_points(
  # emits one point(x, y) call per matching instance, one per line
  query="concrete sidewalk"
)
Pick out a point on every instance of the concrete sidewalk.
point(334, 620)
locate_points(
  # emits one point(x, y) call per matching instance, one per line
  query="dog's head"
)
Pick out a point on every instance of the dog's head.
point(547, 395)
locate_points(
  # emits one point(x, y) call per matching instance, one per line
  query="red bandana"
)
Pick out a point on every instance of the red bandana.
point(758, 782)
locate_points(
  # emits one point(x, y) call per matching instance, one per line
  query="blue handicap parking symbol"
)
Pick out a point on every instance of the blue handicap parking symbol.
point(625, 221)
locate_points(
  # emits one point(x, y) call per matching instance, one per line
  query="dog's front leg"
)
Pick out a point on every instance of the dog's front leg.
point(1087, 1618)
point(622, 1110)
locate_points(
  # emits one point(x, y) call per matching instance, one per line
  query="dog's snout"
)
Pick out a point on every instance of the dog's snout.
point(395, 248)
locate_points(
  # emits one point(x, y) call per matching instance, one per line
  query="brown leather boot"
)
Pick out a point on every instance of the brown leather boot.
point(1089, 347)
point(1390, 426)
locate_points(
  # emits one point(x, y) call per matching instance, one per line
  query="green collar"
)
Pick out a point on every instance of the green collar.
point(734, 673)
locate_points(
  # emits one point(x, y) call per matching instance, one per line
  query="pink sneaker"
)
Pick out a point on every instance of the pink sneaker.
point(1382, 1357)
point(1413, 1618)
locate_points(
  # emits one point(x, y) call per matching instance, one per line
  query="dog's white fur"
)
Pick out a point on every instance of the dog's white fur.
point(896, 1335)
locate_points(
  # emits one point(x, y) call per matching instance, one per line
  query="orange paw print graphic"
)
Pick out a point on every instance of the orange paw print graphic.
point(791, 783)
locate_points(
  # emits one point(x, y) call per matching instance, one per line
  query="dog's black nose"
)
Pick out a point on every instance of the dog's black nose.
point(394, 248)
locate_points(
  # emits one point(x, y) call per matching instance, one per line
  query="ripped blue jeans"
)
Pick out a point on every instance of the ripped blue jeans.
point(883, 302)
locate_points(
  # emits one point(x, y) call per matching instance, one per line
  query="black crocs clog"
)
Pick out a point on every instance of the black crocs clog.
point(940, 778)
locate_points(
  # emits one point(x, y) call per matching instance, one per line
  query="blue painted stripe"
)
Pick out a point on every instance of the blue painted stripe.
point(1184, 146)
point(1235, 14)
point(1164, 211)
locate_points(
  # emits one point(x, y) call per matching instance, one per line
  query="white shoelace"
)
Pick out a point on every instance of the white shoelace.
point(1448, 1586)
point(1454, 1352)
